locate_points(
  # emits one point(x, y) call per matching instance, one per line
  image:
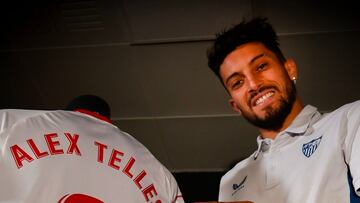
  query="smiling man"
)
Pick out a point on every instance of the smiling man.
point(260, 86)
point(302, 156)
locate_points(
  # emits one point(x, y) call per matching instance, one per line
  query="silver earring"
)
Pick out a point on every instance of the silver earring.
point(294, 79)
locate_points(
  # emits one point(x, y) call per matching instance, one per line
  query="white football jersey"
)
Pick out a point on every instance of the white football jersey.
point(63, 156)
point(315, 160)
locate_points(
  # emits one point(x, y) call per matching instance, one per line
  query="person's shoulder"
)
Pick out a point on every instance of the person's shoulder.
point(349, 109)
point(346, 112)
point(354, 106)
point(19, 111)
point(10, 116)
point(240, 167)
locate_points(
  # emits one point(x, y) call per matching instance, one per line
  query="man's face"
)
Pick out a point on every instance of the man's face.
point(259, 85)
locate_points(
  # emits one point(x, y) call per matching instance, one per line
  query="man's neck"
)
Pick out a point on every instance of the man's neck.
point(296, 109)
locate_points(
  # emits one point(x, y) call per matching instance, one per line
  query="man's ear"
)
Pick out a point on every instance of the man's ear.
point(291, 68)
point(234, 106)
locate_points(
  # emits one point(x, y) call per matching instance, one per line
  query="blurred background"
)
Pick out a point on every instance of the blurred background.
point(148, 60)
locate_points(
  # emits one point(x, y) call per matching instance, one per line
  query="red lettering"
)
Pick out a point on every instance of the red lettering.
point(149, 191)
point(73, 144)
point(114, 158)
point(36, 150)
point(52, 144)
point(128, 167)
point(20, 155)
point(139, 178)
point(101, 148)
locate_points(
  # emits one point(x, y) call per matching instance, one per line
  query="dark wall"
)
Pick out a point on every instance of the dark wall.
point(199, 186)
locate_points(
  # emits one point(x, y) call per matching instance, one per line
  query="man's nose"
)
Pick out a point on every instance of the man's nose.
point(253, 83)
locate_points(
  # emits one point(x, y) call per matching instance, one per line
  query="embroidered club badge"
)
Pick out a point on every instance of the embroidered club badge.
point(309, 148)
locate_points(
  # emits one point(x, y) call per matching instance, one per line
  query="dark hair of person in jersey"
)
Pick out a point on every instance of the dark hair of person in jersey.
point(91, 103)
point(256, 30)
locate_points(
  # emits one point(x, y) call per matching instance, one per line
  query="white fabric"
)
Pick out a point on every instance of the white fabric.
point(307, 162)
point(48, 156)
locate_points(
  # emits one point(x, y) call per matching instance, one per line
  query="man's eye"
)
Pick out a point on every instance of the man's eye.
point(261, 66)
point(236, 84)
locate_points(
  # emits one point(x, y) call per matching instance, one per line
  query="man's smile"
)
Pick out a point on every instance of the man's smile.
point(262, 97)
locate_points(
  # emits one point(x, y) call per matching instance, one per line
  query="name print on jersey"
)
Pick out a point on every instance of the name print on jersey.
point(54, 147)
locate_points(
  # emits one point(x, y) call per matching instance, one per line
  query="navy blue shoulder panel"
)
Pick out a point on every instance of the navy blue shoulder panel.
point(353, 196)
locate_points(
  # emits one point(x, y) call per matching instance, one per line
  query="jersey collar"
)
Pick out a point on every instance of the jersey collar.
point(94, 114)
point(303, 121)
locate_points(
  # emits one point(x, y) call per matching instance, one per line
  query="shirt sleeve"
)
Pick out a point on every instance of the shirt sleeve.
point(173, 188)
point(178, 196)
point(352, 144)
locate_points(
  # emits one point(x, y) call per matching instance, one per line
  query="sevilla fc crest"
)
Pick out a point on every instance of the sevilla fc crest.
point(309, 148)
point(79, 198)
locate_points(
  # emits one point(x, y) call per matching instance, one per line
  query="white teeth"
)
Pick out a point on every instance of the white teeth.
point(263, 98)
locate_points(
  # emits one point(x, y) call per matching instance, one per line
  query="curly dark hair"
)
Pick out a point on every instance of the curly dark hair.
point(255, 30)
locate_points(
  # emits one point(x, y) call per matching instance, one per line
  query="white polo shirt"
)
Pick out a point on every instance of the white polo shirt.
point(62, 156)
point(308, 162)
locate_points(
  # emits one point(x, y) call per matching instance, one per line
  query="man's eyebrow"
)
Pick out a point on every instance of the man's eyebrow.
point(257, 57)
